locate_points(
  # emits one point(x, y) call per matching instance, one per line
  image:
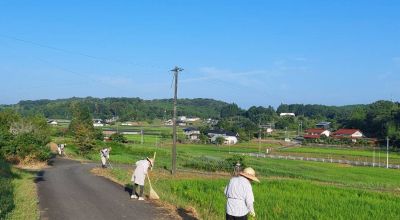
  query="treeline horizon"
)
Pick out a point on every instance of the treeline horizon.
point(376, 120)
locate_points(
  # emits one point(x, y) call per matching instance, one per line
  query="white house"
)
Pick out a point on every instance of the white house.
point(182, 118)
point(169, 122)
point(230, 137)
point(192, 119)
point(352, 134)
point(192, 133)
point(315, 133)
point(53, 122)
point(287, 114)
point(97, 123)
point(126, 124)
point(229, 140)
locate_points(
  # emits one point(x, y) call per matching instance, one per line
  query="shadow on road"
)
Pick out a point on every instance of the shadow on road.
point(39, 177)
point(128, 188)
point(184, 214)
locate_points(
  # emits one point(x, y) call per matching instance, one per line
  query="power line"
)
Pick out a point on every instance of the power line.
point(76, 52)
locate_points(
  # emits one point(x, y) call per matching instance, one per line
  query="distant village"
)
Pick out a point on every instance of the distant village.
point(319, 133)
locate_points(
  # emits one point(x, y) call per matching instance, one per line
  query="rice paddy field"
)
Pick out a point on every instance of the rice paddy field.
point(288, 189)
point(370, 155)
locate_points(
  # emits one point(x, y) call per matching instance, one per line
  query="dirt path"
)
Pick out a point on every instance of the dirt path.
point(68, 190)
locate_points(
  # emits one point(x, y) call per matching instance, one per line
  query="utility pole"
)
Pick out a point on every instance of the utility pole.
point(142, 133)
point(387, 152)
point(259, 138)
point(176, 71)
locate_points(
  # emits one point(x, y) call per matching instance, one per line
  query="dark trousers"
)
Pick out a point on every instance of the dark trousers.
point(230, 217)
point(141, 190)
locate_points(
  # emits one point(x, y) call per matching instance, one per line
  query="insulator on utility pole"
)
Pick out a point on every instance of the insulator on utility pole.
point(176, 71)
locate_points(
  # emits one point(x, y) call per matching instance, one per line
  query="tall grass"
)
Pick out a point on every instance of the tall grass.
point(6, 189)
point(18, 196)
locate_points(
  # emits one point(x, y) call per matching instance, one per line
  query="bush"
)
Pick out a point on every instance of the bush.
point(119, 138)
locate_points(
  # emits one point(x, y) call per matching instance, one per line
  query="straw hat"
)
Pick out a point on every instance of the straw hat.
point(249, 173)
point(151, 160)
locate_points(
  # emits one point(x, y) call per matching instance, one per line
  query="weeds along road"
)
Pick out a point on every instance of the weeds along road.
point(68, 190)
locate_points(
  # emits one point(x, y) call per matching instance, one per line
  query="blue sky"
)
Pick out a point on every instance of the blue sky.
point(248, 52)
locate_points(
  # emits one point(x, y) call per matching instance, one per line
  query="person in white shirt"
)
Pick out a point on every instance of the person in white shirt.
point(104, 156)
point(239, 194)
point(139, 176)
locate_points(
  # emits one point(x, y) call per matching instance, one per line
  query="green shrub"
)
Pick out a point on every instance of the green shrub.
point(118, 137)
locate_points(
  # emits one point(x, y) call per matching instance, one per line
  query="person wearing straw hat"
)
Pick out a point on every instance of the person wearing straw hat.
point(139, 175)
point(239, 194)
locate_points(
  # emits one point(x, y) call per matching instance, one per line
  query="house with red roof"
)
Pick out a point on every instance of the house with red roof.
point(315, 133)
point(352, 134)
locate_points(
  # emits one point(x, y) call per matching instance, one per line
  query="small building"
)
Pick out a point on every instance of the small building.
point(52, 122)
point(98, 124)
point(287, 114)
point(352, 134)
point(230, 137)
point(192, 134)
point(192, 119)
point(182, 118)
point(129, 123)
point(324, 125)
point(169, 122)
point(181, 123)
point(315, 133)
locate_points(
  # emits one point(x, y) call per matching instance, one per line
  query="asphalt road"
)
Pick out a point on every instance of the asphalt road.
point(68, 190)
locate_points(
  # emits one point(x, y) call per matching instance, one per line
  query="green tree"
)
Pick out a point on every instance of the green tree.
point(219, 140)
point(81, 127)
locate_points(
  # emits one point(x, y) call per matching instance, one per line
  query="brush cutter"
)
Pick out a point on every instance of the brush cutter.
point(153, 194)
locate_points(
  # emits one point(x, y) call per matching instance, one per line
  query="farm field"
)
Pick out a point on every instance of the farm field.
point(289, 189)
point(342, 153)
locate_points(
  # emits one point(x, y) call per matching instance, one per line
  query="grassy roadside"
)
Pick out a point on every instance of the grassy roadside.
point(18, 195)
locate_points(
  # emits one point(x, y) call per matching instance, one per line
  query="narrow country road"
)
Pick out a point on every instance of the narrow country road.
point(68, 190)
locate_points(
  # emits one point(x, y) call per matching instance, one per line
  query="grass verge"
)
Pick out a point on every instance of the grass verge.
point(18, 195)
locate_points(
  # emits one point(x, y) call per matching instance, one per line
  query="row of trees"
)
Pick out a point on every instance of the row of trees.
point(125, 108)
point(379, 119)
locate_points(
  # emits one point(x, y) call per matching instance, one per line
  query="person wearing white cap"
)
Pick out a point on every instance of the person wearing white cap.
point(239, 194)
point(139, 176)
point(104, 156)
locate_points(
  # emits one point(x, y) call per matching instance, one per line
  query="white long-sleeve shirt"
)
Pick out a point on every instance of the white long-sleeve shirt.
point(105, 153)
point(240, 198)
point(140, 172)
